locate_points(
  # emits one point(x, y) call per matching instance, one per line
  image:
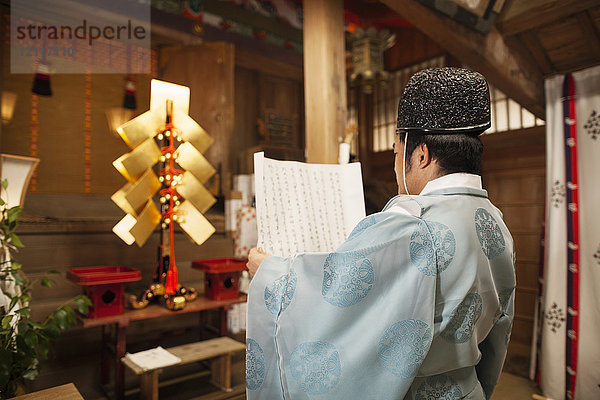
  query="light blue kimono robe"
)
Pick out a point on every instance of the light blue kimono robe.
point(416, 304)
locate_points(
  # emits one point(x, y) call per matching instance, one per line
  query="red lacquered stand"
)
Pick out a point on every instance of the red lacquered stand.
point(104, 287)
point(222, 277)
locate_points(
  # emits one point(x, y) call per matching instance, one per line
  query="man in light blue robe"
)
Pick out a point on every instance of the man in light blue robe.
point(417, 303)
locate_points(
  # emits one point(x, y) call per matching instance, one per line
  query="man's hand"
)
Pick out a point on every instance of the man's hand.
point(255, 257)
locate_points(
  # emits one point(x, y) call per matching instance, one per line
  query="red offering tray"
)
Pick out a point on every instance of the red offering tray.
point(104, 286)
point(103, 275)
point(222, 277)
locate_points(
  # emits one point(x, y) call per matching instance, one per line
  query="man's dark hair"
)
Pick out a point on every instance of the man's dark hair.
point(453, 153)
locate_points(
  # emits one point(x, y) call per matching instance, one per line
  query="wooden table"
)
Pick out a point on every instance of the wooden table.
point(63, 392)
point(116, 344)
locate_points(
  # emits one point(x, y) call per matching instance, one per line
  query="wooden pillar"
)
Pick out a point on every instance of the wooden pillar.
point(324, 79)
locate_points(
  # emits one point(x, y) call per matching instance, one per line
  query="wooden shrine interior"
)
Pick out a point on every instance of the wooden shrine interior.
point(238, 86)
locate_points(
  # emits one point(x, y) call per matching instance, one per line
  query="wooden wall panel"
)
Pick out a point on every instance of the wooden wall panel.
point(61, 127)
point(527, 245)
point(208, 70)
point(528, 184)
point(245, 121)
point(522, 217)
point(61, 136)
point(107, 92)
point(514, 175)
point(260, 89)
point(527, 273)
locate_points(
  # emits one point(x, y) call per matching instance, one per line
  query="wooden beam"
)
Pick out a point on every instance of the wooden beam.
point(518, 78)
point(531, 41)
point(590, 33)
point(525, 15)
point(324, 79)
point(267, 65)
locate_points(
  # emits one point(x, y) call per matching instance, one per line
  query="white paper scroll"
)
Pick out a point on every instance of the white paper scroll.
point(306, 207)
point(152, 359)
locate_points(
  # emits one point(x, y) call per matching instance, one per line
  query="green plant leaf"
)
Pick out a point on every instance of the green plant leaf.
point(62, 318)
point(19, 279)
point(6, 363)
point(6, 321)
point(36, 325)
point(83, 304)
point(46, 282)
point(30, 338)
point(13, 303)
point(31, 374)
point(51, 330)
point(4, 183)
point(43, 346)
point(14, 239)
point(24, 327)
point(15, 266)
point(12, 214)
point(33, 370)
point(2, 202)
point(25, 311)
point(71, 316)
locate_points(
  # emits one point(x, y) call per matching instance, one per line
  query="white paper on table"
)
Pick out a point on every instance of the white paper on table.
point(306, 207)
point(151, 359)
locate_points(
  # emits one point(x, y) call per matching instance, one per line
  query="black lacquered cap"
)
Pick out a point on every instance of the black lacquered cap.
point(445, 101)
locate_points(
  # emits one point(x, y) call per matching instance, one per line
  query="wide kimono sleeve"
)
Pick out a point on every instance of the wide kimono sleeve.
point(493, 348)
point(355, 323)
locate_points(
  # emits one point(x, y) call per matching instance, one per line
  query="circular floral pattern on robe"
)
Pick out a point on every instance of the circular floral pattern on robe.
point(316, 367)
point(347, 278)
point(279, 293)
point(431, 242)
point(255, 365)
point(362, 225)
point(403, 347)
point(463, 319)
point(489, 234)
point(438, 387)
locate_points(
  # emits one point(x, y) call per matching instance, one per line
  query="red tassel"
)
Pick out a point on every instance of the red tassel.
point(171, 285)
point(41, 81)
point(129, 101)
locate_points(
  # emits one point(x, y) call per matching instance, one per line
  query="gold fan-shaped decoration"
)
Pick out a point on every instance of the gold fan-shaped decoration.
point(168, 135)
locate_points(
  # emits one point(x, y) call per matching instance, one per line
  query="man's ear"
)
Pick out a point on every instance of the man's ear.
point(423, 155)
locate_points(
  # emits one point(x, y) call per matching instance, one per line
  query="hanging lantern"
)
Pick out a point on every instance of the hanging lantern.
point(41, 81)
point(367, 57)
point(9, 99)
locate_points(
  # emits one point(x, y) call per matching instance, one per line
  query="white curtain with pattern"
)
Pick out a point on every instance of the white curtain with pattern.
point(568, 333)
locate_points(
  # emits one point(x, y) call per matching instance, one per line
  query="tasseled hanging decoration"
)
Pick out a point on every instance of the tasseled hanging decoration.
point(41, 81)
point(129, 101)
point(172, 280)
point(172, 275)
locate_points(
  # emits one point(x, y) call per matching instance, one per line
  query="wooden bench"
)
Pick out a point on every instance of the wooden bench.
point(219, 350)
